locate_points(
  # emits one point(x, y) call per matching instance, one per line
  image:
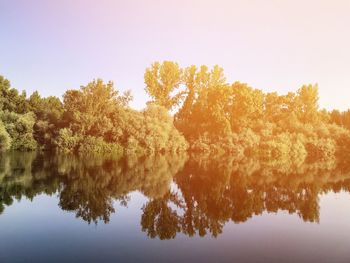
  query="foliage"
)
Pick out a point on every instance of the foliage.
point(5, 139)
point(20, 129)
point(49, 113)
point(161, 81)
point(10, 99)
point(217, 117)
point(191, 108)
point(66, 141)
point(100, 121)
point(96, 145)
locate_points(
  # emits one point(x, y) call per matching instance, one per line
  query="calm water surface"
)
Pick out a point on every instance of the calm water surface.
point(61, 208)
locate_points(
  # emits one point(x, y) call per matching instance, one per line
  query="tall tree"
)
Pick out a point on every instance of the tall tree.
point(308, 103)
point(162, 80)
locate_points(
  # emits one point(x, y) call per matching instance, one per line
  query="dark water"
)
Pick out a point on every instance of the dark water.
point(61, 208)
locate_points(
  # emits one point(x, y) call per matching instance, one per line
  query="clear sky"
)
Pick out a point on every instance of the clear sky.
point(273, 45)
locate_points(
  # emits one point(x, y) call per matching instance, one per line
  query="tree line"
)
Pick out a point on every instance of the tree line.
point(94, 119)
point(192, 108)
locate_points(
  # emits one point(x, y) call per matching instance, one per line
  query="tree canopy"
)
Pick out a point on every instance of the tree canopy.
point(191, 108)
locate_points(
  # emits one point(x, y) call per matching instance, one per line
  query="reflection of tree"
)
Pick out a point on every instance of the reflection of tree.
point(89, 201)
point(90, 186)
point(18, 178)
point(159, 219)
point(87, 186)
point(209, 192)
point(215, 191)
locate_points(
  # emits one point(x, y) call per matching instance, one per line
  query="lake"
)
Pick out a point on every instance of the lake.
point(172, 208)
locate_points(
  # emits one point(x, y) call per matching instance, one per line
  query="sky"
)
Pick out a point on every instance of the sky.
point(273, 45)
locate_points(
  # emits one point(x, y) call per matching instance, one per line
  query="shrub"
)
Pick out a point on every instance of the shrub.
point(20, 128)
point(66, 141)
point(5, 139)
point(96, 145)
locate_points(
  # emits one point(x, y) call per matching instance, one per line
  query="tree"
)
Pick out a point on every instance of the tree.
point(247, 105)
point(10, 99)
point(308, 103)
point(49, 113)
point(89, 110)
point(98, 120)
point(162, 80)
point(203, 110)
point(20, 128)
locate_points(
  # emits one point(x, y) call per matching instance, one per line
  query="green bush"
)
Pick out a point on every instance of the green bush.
point(5, 139)
point(25, 142)
point(96, 145)
point(66, 141)
point(20, 129)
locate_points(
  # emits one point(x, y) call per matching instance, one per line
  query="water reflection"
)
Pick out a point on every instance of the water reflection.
point(207, 192)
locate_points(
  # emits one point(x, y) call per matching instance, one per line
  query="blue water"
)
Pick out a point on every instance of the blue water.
point(67, 223)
